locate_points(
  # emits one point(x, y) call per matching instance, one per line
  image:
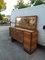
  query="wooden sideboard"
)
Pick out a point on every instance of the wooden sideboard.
point(25, 32)
point(27, 37)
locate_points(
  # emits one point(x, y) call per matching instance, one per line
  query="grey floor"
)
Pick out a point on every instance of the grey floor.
point(14, 51)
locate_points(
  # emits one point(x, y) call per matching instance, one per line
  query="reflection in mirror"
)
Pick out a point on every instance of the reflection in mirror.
point(18, 20)
point(27, 22)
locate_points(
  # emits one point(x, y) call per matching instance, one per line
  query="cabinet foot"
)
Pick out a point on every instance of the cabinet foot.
point(12, 40)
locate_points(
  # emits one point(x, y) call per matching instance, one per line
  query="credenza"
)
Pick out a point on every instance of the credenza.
point(25, 32)
point(28, 38)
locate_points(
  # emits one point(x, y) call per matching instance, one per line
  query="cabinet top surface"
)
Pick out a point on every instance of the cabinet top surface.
point(26, 30)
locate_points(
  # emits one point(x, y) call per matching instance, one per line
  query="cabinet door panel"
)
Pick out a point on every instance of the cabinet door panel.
point(27, 40)
point(34, 37)
point(19, 35)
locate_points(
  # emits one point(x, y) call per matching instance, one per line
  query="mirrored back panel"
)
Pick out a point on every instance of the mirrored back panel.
point(26, 22)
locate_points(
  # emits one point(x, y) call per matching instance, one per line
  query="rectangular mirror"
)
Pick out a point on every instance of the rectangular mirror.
point(26, 22)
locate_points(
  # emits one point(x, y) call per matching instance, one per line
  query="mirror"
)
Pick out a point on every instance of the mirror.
point(28, 22)
point(18, 21)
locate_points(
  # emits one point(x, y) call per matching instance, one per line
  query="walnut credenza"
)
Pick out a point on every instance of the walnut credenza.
point(27, 37)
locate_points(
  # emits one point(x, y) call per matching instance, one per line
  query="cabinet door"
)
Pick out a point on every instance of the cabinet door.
point(27, 41)
point(19, 35)
point(34, 40)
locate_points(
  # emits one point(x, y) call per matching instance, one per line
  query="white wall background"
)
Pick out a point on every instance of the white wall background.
point(30, 11)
